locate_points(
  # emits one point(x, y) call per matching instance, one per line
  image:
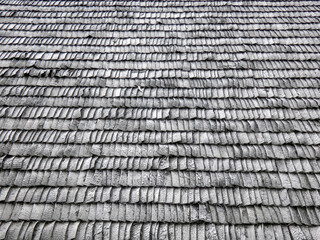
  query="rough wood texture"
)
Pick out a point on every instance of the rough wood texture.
point(159, 119)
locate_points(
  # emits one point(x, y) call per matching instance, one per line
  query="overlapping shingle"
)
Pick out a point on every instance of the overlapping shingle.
point(159, 119)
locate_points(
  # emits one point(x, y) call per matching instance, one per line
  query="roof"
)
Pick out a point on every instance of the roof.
point(159, 119)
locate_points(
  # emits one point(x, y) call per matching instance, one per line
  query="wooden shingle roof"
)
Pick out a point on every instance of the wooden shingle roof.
point(159, 119)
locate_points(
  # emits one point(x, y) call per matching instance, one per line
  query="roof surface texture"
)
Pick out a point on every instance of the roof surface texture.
point(159, 120)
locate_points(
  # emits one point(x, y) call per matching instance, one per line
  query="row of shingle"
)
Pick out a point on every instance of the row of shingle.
point(165, 65)
point(224, 93)
point(213, 196)
point(144, 102)
point(145, 231)
point(227, 72)
point(306, 6)
point(130, 52)
point(218, 93)
point(287, 151)
point(249, 34)
point(161, 31)
point(186, 9)
point(171, 125)
point(83, 56)
point(223, 16)
point(164, 113)
point(160, 178)
point(158, 83)
point(161, 213)
point(188, 137)
point(14, 16)
point(161, 44)
point(159, 163)
point(155, 25)
point(169, 3)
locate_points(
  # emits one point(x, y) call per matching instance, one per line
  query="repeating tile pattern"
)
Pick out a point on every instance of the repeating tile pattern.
point(159, 119)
